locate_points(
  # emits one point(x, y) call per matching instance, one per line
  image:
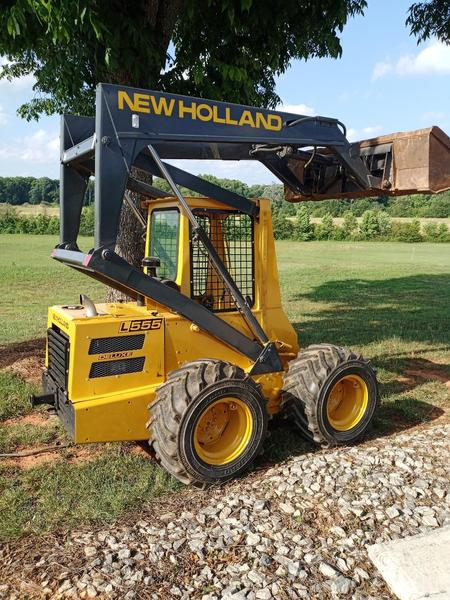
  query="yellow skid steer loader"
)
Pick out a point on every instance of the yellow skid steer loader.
point(203, 353)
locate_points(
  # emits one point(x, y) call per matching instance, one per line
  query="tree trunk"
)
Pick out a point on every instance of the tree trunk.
point(161, 15)
point(130, 242)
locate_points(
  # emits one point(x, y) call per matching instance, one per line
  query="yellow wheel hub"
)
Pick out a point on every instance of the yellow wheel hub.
point(223, 431)
point(347, 402)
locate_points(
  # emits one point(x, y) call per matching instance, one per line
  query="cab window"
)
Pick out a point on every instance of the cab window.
point(164, 233)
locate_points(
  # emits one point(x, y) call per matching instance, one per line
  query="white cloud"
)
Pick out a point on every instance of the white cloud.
point(354, 135)
point(298, 109)
point(41, 147)
point(381, 69)
point(18, 85)
point(433, 59)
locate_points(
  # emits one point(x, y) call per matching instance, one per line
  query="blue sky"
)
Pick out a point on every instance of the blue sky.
point(384, 82)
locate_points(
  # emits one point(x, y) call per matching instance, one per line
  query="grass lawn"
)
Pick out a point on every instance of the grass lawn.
point(31, 281)
point(388, 300)
point(378, 297)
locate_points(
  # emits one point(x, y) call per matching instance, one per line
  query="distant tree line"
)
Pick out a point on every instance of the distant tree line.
point(374, 225)
point(11, 221)
point(34, 190)
point(418, 205)
point(20, 190)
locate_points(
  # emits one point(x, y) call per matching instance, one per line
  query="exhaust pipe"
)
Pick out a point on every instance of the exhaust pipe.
point(91, 311)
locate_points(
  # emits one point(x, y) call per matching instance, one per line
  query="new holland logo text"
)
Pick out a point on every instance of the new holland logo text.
point(145, 325)
point(174, 107)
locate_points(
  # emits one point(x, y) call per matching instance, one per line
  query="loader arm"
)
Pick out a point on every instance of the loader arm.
point(129, 120)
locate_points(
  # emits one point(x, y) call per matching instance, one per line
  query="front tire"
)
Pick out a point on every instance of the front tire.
point(331, 393)
point(208, 422)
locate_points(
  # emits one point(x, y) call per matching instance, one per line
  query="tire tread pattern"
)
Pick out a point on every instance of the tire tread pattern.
point(171, 401)
point(303, 381)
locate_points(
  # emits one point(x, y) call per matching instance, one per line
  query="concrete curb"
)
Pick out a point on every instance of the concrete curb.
point(416, 567)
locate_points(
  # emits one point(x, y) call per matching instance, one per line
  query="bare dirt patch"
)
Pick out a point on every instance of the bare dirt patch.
point(39, 456)
point(422, 370)
point(25, 359)
point(429, 374)
point(29, 369)
point(428, 369)
point(29, 462)
point(408, 382)
point(78, 454)
point(35, 418)
point(140, 448)
point(73, 454)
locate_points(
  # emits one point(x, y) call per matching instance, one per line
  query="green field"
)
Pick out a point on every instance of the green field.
point(378, 297)
point(31, 281)
point(390, 289)
point(423, 220)
point(52, 210)
point(387, 300)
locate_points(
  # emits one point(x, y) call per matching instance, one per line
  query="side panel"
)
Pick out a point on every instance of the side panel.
point(115, 363)
point(139, 364)
point(268, 296)
point(117, 417)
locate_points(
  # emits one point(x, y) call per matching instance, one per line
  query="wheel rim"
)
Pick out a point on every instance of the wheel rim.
point(347, 402)
point(223, 431)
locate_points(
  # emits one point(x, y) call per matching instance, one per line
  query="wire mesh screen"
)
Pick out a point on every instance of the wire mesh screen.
point(232, 236)
point(164, 241)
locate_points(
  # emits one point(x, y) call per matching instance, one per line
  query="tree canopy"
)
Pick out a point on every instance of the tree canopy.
point(430, 19)
point(222, 49)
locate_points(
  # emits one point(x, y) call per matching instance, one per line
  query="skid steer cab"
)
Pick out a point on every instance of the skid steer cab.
point(202, 355)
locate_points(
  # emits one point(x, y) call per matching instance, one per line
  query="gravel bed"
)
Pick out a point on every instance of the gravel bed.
point(296, 530)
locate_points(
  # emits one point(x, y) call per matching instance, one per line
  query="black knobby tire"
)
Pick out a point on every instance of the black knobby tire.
point(308, 383)
point(177, 407)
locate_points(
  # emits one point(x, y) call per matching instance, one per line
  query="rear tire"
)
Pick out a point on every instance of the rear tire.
point(331, 393)
point(208, 422)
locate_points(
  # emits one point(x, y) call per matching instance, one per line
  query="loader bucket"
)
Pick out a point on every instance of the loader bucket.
point(414, 162)
point(420, 160)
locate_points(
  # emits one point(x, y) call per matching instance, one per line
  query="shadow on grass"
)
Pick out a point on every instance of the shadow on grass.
point(414, 308)
point(402, 414)
point(359, 312)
